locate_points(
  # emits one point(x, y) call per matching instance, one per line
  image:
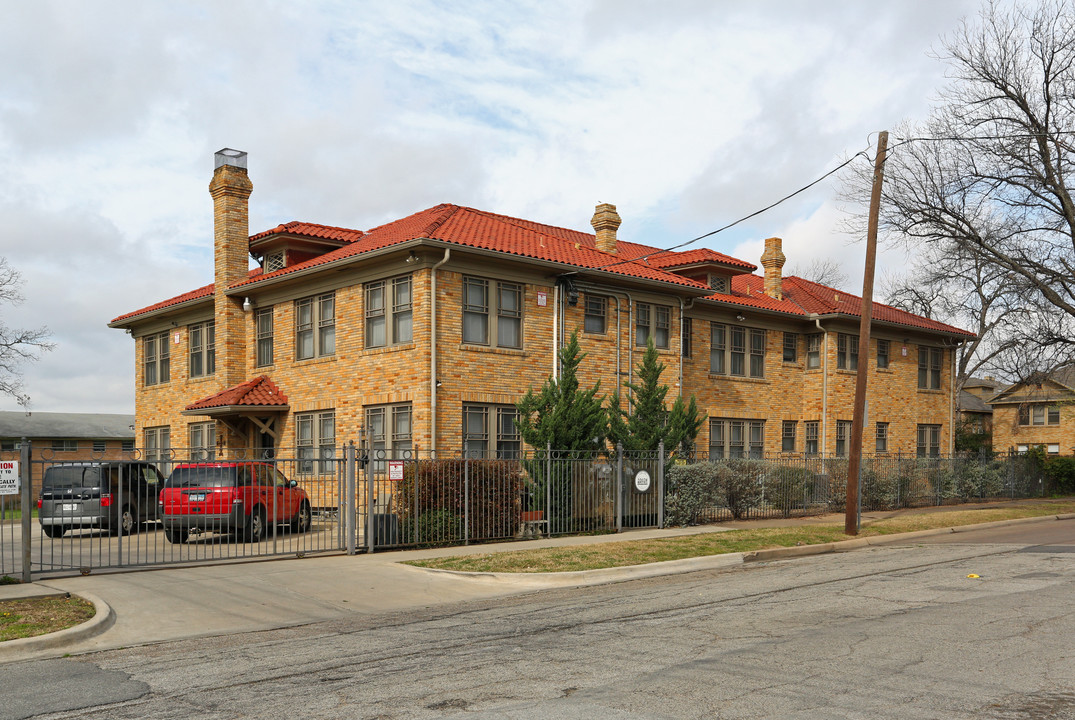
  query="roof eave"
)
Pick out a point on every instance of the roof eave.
point(236, 410)
point(178, 308)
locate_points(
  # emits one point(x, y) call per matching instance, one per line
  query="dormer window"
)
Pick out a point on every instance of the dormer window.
point(720, 283)
point(274, 261)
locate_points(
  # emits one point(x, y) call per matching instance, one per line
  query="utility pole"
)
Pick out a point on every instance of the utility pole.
point(854, 465)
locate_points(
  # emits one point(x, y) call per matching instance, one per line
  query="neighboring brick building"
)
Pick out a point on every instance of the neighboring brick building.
point(1039, 411)
point(66, 437)
point(426, 330)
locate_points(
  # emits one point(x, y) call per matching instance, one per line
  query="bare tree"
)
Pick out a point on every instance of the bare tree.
point(824, 272)
point(17, 346)
point(983, 184)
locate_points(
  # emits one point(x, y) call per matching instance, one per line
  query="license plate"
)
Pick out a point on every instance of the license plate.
point(68, 507)
point(196, 496)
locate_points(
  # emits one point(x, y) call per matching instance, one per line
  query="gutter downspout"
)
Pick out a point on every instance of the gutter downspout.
point(556, 331)
point(433, 350)
point(825, 385)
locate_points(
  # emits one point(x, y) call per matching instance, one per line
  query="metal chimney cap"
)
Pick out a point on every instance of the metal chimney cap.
point(227, 156)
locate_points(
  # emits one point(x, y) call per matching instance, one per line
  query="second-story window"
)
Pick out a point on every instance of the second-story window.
point(202, 341)
point(847, 352)
point(263, 322)
point(156, 360)
point(930, 360)
point(736, 351)
point(883, 349)
point(813, 351)
point(653, 321)
point(492, 313)
point(791, 347)
point(389, 319)
point(596, 313)
point(315, 326)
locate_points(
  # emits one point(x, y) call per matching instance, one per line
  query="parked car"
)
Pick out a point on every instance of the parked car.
point(231, 497)
point(116, 496)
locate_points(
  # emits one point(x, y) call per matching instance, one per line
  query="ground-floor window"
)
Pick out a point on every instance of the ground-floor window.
point(490, 431)
point(787, 436)
point(315, 440)
point(929, 440)
point(202, 441)
point(843, 437)
point(812, 433)
point(733, 438)
point(881, 445)
point(390, 433)
point(157, 443)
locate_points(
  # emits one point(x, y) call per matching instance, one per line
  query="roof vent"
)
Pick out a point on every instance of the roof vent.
point(227, 156)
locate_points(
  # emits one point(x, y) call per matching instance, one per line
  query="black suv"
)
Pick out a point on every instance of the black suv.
point(116, 496)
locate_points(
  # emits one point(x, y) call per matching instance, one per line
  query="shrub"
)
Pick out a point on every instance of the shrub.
point(435, 527)
point(689, 491)
point(741, 483)
point(440, 485)
point(1060, 475)
point(785, 488)
point(837, 473)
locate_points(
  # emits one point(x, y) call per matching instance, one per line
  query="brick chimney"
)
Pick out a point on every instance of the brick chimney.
point(230, 189)
point(605, 223)
point(773, 261)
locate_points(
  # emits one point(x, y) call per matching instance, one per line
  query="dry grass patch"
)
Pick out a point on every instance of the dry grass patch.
point(641, 552)
point(31, 617)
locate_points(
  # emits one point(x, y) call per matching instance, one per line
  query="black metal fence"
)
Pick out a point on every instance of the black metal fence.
point(786, 486)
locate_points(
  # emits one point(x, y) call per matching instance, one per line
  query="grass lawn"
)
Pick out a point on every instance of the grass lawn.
point(641, 552)
point(37, 616)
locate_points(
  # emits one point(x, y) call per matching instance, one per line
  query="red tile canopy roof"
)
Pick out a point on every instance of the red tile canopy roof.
point(259, 392)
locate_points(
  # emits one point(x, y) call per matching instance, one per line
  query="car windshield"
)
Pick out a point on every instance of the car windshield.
point(72, 476)
point(203, 477)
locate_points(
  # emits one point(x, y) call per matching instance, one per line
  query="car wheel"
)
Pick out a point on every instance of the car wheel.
point(53, 531)
point(128, 522)
point(301, 522)
point(255, 525)
point(175, 535)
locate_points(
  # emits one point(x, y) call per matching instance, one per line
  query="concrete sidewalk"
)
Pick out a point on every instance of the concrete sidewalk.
point(147, 606)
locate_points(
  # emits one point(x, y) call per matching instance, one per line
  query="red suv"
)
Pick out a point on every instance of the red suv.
point(223, 497)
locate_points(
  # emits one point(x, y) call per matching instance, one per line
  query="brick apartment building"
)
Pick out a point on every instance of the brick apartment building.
point(1039, 411)
point(425, 331)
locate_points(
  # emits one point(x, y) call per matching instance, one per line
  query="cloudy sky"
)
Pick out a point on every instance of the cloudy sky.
point(686, 114)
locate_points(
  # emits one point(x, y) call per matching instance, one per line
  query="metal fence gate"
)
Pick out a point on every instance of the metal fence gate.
point(106, 513)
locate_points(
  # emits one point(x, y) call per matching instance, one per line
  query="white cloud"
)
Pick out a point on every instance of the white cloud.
point(687, 114)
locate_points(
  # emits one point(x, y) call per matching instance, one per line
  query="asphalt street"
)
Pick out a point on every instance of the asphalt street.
point(970, 625)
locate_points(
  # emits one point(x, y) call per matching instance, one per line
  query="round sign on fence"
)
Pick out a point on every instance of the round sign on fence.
point(642, 481)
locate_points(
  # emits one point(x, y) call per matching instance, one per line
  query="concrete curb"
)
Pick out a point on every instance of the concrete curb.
point(708, 562)
point(104, 617)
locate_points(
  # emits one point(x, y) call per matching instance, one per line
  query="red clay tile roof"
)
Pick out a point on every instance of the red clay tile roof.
point(199, 294)
point(323, 232)
point(488, 231)
point(261, 391)
point(472, 228)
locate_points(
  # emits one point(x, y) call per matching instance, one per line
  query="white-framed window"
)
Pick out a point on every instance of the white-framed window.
point(64, 445)
point(653, 321)
point(490, 431)
point(389, 317)
point(390, 432)
point(787, 435)
point(813, 350)
point(263, 322)
point(737, 351)
point(884, 350)
point(1039, 414)
point(315, 326)
point(881, 437)
point(315, 437)
point(201, 341)
point(157, 442)
point(734, 438)
point(843, 437)
point(847, 352)
point(812, 433)
point(930, 360)
point(202, 440)
point(929, 441)
point(595, 318)
point(791, 347)
point(492, 313)
point(156, 355)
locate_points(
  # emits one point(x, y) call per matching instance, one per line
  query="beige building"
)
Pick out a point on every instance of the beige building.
point(425, 331)
point(1039, 411)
